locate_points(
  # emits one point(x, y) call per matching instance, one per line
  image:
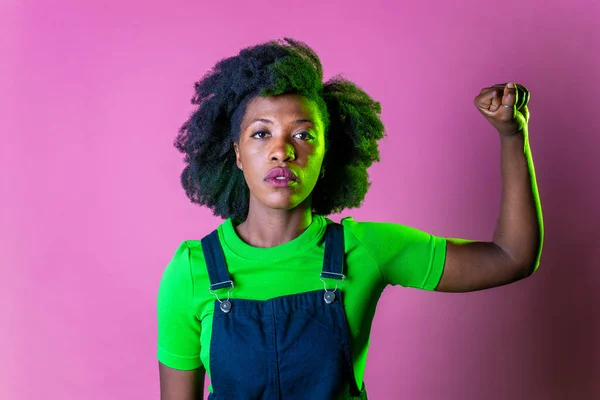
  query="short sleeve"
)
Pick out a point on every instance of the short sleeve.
point(178, 326)
point(406, 256)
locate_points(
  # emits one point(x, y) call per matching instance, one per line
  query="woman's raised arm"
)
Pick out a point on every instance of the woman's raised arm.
point(516, 248)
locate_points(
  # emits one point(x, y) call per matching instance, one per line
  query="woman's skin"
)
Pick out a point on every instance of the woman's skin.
point(284, 131)
point(287, 131)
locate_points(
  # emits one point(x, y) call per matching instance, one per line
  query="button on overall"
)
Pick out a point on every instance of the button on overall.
point(288, 347)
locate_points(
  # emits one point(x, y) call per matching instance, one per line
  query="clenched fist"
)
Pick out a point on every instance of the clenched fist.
point(505, 106)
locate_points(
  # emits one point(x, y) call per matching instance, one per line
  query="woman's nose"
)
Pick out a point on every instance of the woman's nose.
point(282, 150)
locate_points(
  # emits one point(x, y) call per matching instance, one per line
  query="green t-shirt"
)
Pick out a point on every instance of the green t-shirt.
point(377, 254)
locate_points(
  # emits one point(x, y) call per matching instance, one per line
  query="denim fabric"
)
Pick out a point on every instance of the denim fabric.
point(289, 347)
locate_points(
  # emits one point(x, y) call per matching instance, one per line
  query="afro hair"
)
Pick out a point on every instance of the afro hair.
point(351, 119)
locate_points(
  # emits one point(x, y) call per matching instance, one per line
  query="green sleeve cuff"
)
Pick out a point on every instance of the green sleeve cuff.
point(437, 264)
point(178, 362)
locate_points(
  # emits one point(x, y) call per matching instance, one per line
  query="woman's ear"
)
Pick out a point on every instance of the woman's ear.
point(238, 161)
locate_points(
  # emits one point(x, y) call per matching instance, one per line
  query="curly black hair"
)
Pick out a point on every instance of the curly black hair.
point(351, 119)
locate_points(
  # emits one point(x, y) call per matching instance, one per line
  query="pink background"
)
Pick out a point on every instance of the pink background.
point(91, 208)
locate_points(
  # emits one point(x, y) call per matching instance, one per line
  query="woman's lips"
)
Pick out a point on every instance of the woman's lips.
point(284, 182)
point(281, 177)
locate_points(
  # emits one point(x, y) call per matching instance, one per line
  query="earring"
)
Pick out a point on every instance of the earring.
point(323, 173)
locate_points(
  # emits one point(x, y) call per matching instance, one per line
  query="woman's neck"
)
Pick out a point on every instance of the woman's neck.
point(266, 227)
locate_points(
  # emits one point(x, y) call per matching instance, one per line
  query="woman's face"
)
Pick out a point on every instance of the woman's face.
point(281, 150)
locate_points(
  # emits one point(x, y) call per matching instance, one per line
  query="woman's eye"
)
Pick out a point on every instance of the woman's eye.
point(303, 135)
point(260, 134)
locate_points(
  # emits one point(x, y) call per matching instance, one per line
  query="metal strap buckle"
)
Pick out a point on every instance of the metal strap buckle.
point(329, 296)
point(224, 305)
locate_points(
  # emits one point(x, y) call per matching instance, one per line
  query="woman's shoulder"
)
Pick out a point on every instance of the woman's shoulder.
point(186, 268)
point(191, 243)
point(371, 227)
point(373, 233)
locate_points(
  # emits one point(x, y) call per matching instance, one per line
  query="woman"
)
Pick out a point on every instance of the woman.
point(277, 302)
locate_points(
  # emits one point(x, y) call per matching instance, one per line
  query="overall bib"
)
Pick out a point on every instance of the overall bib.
point(288, 347)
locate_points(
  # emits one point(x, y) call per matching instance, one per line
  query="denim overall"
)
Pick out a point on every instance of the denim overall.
point(288, 347)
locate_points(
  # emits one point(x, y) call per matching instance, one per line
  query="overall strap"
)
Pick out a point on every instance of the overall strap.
point(333, 261)
point(215, 262)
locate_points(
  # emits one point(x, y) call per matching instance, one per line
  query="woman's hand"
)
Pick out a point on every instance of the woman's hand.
point(508, 121)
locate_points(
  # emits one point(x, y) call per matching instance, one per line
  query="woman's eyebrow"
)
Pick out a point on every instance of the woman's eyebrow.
point(300, 121)
point(266, 121)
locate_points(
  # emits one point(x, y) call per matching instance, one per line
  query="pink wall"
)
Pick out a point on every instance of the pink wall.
point(91, 209)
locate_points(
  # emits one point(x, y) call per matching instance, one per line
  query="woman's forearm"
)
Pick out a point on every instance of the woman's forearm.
point(519, 231)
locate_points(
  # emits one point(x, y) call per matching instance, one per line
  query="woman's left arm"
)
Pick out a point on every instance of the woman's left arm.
point(516, 248)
